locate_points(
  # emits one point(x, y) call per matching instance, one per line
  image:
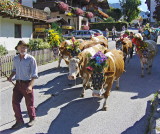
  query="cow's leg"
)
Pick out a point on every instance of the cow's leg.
point(85, 83)
point(142, 68)
point(59, 61)
point(131, 52)
point(150, 66)
point(128, 58)
point(117, 84)
point(107, 92)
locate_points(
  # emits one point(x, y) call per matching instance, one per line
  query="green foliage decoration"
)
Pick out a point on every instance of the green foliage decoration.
point(3, 50)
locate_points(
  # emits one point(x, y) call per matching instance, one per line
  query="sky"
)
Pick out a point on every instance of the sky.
point(143, 6)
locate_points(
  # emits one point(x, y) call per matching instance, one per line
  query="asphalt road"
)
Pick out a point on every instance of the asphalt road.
point(60, 110)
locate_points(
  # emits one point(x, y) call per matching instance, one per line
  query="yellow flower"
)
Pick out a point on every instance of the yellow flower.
point(70, 14)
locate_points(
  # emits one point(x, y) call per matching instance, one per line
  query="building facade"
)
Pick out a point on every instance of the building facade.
point(19, 26)
point(151, 7)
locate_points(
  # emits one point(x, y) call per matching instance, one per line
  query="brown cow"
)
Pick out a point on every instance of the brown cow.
point(83, 44)
point(125, 45)
point(112, 72)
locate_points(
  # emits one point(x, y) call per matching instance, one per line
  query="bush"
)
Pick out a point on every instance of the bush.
point(38, 44)
point(3, 50)
point(103, 25)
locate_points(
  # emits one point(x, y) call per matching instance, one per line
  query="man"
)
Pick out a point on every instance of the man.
point(113, 33)
point(107, 33)
point(25, 71)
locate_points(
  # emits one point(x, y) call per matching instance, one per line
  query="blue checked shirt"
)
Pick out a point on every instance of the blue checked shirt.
point(26, 68)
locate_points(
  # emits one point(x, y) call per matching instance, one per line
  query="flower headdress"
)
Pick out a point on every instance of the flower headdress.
point(74, 47)
point(140, 44)
point(97, 62)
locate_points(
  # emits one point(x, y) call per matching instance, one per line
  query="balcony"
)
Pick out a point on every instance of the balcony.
point(25, 13)
point(32, 14)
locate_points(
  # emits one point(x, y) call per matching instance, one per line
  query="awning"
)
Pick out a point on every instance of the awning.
point(103, 14)
point(61, 20)
point(67, 27)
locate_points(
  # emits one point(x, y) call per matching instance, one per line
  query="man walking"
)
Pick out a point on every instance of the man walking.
point(113, 33)
point(25, 71)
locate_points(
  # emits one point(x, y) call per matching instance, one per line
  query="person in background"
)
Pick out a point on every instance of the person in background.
point(113, 33)
point(25, 71)
point(131, 36)
point(123, 28)
point(107, 33)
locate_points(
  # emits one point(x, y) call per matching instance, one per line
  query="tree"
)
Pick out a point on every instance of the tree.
point(115, 13)
point(156, 13)
point(130, 9)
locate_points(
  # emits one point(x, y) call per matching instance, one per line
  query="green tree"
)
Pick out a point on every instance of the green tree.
point(130, 9)
point(115, 13)
point(156, 13)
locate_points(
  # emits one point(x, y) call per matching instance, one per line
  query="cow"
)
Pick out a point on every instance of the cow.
point(125, 45)
point(146, 51)
point(112, 72)
point(83, 44)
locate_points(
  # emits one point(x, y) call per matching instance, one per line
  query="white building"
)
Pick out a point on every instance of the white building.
point(20, 27)
point(151, 6)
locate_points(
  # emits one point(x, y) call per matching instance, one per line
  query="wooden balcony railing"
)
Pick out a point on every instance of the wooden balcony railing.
point(32, 13)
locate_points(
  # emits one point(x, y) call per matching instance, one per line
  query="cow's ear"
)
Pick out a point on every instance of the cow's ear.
point(109, 74)
point(106, 50)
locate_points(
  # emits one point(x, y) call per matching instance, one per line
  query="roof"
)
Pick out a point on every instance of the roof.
point(103, 14)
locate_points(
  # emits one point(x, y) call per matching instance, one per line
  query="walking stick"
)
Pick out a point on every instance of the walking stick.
point(6, 76)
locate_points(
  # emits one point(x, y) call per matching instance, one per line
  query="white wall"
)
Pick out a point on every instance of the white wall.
point(0, 25)
point(153, 5)
point(28, 3)
point(7, 32)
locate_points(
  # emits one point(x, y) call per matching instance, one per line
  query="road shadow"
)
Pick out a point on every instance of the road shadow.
point(131, 80)
point(54, 70)
point(142, 123)
point(66, 96)
point(72, 114)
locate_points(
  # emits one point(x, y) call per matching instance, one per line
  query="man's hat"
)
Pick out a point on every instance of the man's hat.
point(21, 42)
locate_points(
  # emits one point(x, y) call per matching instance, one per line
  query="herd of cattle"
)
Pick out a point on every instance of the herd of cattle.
point(76, 57)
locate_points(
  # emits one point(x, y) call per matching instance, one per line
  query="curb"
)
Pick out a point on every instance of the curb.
point(154, 121)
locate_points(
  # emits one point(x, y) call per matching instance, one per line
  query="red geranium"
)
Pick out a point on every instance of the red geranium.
point(63, 6)
point(79, 11)
point(89, 15)
point(85, 27)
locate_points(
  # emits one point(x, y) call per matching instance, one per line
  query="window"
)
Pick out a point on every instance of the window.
point(69, 21)
point(17, 31)
point(58, 16)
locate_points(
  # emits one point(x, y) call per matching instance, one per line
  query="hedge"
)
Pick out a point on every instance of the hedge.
point(103, 25)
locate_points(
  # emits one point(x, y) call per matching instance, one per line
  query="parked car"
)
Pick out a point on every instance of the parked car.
point(80, 34)
point(98, 32)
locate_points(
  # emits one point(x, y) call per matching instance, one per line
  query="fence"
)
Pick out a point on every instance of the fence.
point(41, 56)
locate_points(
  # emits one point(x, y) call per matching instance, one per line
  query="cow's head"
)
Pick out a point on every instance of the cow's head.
point(73, 68)
point(55, 52)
